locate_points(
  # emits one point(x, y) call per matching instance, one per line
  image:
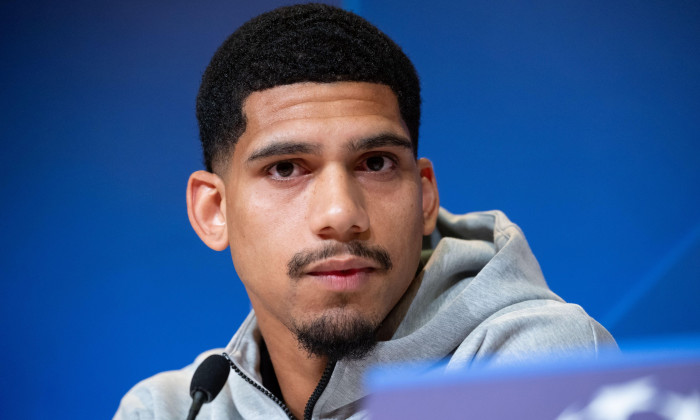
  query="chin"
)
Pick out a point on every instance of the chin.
point(338, 334)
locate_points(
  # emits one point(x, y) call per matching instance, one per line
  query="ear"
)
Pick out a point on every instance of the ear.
point(206, 208)
point(431, 199)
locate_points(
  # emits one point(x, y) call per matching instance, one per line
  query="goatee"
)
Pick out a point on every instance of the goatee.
point(337, 336)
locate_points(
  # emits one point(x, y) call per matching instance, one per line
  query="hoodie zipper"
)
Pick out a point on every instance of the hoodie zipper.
point(310, 404)
point(325, 378)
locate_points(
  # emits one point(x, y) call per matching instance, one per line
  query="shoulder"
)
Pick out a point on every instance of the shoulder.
point(534, 330)
point(162, 396)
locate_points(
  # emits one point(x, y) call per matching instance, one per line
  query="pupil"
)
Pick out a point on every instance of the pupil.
point(375, 163)
point(285, 169)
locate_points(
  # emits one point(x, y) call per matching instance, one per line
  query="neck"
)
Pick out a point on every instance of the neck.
point(297, 373)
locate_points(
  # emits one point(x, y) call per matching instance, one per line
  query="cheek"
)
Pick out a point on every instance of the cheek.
point(258, 215)
point(398, 225)
point(259, 237)
point(398, 214)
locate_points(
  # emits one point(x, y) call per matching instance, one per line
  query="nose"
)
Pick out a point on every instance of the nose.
point(337, 209)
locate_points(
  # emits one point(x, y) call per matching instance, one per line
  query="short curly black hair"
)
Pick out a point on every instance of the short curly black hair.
point(301, 43)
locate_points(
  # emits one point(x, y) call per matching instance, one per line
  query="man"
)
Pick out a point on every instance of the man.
point(309, 123)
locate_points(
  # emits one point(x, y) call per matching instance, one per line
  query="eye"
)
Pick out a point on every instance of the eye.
point(284, 170)
point(378, 163)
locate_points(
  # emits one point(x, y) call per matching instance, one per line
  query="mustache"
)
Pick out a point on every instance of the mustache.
point(302, 259)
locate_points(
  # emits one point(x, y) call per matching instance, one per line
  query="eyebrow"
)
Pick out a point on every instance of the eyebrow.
point(381, 140)
point(295, 147)
point(283, 148)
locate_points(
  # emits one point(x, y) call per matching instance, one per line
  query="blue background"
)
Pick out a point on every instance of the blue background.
point(578, 119)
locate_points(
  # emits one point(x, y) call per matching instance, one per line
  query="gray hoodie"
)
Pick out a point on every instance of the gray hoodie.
point(479, 298)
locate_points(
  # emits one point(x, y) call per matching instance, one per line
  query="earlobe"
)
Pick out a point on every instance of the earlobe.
point(431, 199)
point(206, 208)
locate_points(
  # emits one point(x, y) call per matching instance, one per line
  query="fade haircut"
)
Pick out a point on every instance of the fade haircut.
point(302, 43)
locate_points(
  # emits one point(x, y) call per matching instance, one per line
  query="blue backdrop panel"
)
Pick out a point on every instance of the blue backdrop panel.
point(579, 120)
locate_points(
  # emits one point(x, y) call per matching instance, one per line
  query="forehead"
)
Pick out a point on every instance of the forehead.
point(312, 108)
point(319, 99)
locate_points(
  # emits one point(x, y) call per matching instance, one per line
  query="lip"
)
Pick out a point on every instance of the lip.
point(342, 274)
point(341, 264)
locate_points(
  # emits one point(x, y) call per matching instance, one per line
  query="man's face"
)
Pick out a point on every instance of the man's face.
point(325, 204)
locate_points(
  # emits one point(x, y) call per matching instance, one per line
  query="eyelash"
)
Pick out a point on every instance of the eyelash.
point(267, 169)
point(389, 157)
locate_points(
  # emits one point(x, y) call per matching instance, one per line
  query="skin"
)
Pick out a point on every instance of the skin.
point(317, 164)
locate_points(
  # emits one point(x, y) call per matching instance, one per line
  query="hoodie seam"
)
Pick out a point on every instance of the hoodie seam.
point(591, 327)
point(595, 337)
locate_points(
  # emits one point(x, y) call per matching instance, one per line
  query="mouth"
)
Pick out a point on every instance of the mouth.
point(342, 275)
